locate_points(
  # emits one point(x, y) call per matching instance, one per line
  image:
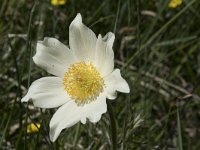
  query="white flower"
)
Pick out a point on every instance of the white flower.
point(84, 77)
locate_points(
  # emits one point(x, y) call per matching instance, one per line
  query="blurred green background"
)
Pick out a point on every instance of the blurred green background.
point(157, 49)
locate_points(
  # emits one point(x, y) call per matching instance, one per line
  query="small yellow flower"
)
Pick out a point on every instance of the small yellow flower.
point(32, 128)
point(174, 3)
point(58, 2)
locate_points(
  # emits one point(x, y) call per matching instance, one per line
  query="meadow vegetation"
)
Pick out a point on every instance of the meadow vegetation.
point(157, 49)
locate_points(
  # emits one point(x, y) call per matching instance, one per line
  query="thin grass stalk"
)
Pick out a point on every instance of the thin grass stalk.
point(180, 143)
point(113, 127)
point(116, 20)
point(28, 46)
point(154, 36)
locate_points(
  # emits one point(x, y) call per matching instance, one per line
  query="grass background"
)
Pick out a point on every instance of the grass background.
point(156, 48)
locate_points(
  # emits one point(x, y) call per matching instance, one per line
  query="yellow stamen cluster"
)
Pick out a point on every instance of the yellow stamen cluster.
point(174, 3)
point(83, 82)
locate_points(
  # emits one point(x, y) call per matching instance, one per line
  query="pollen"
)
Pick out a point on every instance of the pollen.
point(83, 82)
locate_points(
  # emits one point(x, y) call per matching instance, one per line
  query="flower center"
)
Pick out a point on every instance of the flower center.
point(83, 82)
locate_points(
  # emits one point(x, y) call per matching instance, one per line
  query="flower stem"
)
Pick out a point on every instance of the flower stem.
point(113, 126)
point(76, 135)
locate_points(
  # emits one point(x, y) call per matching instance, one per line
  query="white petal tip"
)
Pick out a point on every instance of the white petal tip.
point(112, 95)
point(25, 99)
point(34, 58)
point(77, 20)
point(52, 135)
point(124, 87)
point(79, 16)
point(52, 139)
point(95, 118)
point(83, 120)
point(127, 90)
point(109, 37)
point(99, 36)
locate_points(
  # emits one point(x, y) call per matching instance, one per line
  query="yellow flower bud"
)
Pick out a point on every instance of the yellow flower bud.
point(58, 2)
point(174, 3)
point(32, 128)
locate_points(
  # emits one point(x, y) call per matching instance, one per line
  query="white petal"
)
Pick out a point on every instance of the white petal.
point(53, 56)
point(104, 58)
point(94, 110)
point(69, 114)
point(66, 116)
point(82, 40)
point(114, 82)
point(47, 92)
point(111, 93)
